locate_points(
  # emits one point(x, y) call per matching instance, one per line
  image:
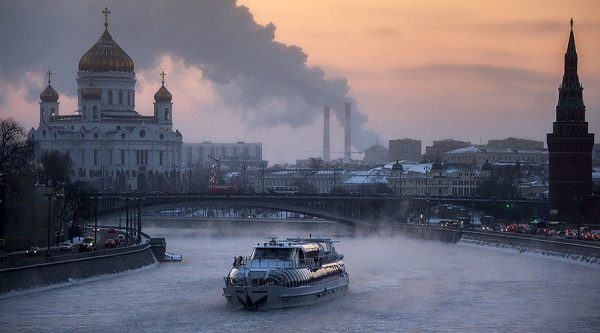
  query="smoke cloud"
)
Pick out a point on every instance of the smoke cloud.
point(266, 82)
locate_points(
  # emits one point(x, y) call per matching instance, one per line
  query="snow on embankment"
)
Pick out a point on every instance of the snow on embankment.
point(585, 252)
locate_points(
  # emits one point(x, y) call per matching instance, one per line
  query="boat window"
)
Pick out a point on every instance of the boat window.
point(272, 253)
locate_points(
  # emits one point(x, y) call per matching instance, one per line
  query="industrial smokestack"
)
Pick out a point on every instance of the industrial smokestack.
point(326, 140)
point(348, 137)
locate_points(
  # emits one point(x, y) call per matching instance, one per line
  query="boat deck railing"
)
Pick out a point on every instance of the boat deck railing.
point(248, 262)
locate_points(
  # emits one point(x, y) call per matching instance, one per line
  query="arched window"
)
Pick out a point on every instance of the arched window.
point(129, 98)
point(95, 112)
point(110, 97)
point(120, 97)
point(43, 113)
point(52, 111)
point(167, 115)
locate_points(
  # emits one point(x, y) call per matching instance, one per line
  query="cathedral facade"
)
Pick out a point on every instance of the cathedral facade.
point(111, 146)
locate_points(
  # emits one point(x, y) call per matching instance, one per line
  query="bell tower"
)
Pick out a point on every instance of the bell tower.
point(570, 146)
point(48, 102)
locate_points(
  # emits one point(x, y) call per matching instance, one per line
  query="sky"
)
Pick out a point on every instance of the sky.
point(262, 70)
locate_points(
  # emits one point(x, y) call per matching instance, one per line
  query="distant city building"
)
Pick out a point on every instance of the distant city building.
point(570, 145)
point(515, 143)
point(111, 146)
point(477, 156)
point(232, 155)
point(404, 149)
point(376, 154)
point(434, 152)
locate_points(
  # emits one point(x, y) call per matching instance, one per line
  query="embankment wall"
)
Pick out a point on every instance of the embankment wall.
point(61, 269)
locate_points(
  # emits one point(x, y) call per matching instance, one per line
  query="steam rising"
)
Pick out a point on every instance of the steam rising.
point(265, 81)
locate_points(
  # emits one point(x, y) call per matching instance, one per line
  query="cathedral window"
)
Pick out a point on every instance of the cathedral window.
point(122, 157)
point(52, 111)
point(166, 114)
point(129, 98)
point(120, 97)
point(160, 158)
point(95, 111)
point(95, 156)
point(110, 97)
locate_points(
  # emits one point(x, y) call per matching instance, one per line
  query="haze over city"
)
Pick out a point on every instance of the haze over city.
point(261, 71)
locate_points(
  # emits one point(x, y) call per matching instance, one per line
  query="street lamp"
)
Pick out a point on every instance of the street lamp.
point(49, 196)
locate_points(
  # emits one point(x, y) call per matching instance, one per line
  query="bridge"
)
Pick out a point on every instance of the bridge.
point(356, 211)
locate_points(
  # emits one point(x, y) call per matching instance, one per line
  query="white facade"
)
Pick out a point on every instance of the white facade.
point(111, 146)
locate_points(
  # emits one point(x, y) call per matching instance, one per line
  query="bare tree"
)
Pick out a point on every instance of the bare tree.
point(16, 151)
point(57, 166)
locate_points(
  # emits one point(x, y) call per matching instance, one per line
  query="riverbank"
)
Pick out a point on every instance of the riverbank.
point(48, 271)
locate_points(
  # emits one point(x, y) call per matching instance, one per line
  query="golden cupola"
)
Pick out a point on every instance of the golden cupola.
point(49, 94)
point(106, 56)
point(163, 95)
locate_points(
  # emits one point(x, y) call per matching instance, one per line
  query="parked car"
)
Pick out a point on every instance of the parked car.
point(33, 251)
point(117, 241)
point(109, 242)
point(65, 246)
point(112, 231)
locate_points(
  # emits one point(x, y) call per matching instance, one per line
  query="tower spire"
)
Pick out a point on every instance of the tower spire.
point(162, 74)
point(571, 24)
point(106, 12)
point(49, 73)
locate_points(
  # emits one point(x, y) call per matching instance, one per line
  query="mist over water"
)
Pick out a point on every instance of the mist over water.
point(397, 284)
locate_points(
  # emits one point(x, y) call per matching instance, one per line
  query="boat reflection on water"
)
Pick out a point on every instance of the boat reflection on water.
point(292, 272)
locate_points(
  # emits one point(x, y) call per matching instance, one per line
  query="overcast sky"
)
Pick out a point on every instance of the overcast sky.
point(261, 70)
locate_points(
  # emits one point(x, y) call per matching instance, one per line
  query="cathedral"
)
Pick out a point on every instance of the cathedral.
point(111, 146)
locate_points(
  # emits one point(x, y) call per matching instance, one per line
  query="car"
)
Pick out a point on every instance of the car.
point(112, 231)
point(586, 235)
point(117, 241)
point(84, 247)
point(33, 251)
point(109, 242)
point(486, 228)
point(66, 246)
point(570, 234)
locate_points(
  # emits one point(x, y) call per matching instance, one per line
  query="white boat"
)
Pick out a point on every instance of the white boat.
point(292, 272)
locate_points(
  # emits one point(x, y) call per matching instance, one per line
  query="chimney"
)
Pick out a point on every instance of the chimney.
point(347, 136)
point(326, 140)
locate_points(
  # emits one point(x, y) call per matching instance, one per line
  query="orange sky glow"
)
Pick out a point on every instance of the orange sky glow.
point(428, 70)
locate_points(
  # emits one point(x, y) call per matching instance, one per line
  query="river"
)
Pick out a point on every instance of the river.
point(397, 285)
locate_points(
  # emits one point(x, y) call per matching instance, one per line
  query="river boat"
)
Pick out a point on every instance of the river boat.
point(291, 272)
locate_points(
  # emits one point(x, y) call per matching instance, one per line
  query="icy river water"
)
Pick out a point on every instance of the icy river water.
point(397, 285)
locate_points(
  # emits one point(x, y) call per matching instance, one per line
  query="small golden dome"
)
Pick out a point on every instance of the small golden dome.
point(106, 56)
point(91, 93)
point(49, 94)
point(163, 95)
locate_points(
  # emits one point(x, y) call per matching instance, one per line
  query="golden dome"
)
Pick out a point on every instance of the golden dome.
point(91, 93)
point(163, 95)
point(49, 94)
point(106, 56)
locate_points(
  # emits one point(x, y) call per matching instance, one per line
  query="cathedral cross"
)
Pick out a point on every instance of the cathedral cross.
point(163, 76)
point(49, 75)
point(106, 12)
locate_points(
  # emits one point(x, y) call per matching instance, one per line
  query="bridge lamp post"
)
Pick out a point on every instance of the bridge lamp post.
point(49, 196)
